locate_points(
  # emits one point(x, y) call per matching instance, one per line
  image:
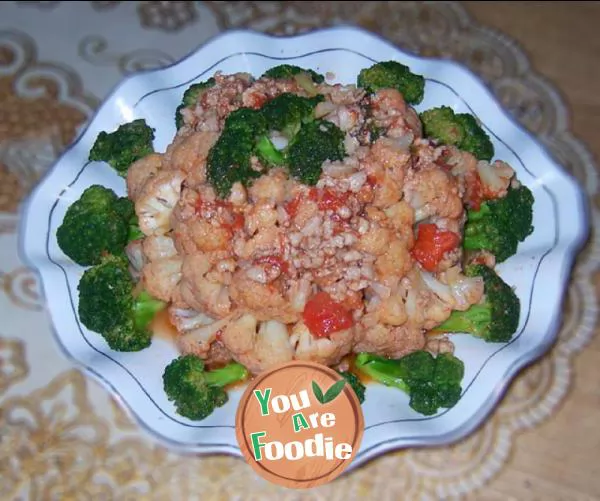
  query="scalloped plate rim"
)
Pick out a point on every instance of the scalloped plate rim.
point(572, 246)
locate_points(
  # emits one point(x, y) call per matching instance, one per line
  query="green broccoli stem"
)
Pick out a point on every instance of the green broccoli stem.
point(474, 242)
point(382, 370)
point(290, 130)
point(229, 374)
point(145, 307)
point(134, 230)
point(268, 153)
point(471, 321)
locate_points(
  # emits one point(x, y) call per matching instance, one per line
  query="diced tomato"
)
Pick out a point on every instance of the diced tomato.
point(330, 200)
point(292, 206)
point(313, 194)
point(474, 191)
point(273, 261)
point(238, 221)
point(371, 180)
point(323, 316)
point(431, 245)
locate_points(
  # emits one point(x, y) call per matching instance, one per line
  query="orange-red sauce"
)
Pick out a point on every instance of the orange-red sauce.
point(162, 327)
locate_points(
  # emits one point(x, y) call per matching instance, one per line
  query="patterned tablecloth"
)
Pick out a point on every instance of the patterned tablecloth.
point(61, 435)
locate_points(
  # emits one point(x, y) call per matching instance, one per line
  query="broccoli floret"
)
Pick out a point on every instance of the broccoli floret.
point(268, 154)
point(98, 223)
point(286, 71)
point(130, 142)
point(245, 133)
point(393, 75)
point(431, 383)
point(229, 160)
point(355, 384)
point(108, 305)
point(315, 142)
point(441, 123)
point(499, 225)
point(458, 129)
point(496, 318)
point(190, 97)
point(196, 392)
point(285, 113)
point(476, 140)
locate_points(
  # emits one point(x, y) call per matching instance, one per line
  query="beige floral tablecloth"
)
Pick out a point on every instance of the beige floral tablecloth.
point(61, 435)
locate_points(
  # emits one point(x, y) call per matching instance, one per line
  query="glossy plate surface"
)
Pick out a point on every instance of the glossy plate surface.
point(540, 271)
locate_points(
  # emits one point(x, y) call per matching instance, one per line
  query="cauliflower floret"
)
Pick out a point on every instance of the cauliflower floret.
point(157, 200)
point(202, 291)
point(268, 241)
point(186, 319)
point(433, 192)
point(395, 262)
point(393, 154)
point(375, 241)
point(189, 153)
point(262, 215)
point(272, 187)
point(135, 256)
point(140, 172)
point(401, 217)
point(324, 350)
point(157, 247)
point(387, 191)
point(423, 307)
point(162, 277)
point(201, 235)
point(264, 300)
point(346, 116)
point(198, 223)
point(298, 293)
point(437, 345)
point(480, 179)
point(455, 288)
point(413, 121)
point(391, 311)
point(394, 342)
point(257, 349)
point(429, 302)
point(197, 331)
point(496, 178)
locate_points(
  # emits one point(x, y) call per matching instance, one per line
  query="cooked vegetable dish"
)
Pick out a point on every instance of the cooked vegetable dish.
point(293, 218)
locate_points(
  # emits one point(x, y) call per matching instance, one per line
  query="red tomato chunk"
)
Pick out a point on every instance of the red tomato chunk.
point(323, 316)
point(431, 245)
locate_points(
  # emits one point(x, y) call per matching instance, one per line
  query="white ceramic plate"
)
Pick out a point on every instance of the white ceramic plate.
point(539, 272)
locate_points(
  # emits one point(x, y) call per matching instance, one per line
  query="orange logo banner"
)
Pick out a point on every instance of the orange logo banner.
point(299, 425)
